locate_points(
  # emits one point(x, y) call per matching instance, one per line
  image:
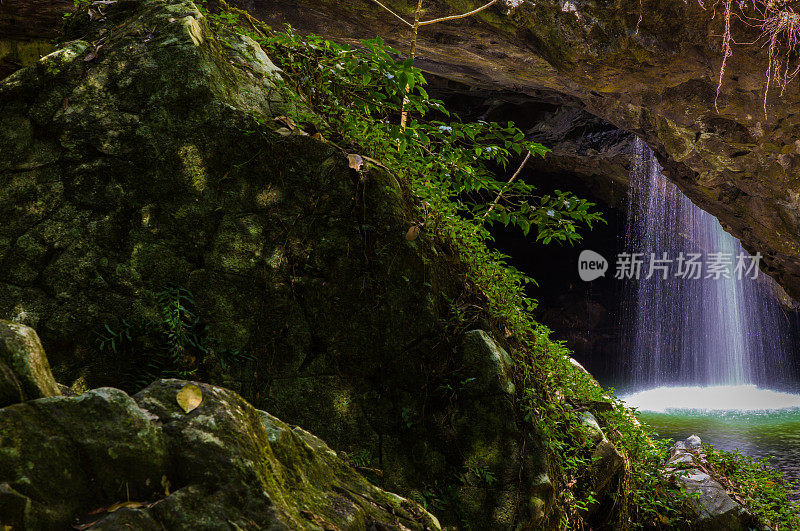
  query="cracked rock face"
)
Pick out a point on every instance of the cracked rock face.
point(652, 70)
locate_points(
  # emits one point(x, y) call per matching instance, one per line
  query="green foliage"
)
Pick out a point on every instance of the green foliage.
point(77, 4)
point(555, 395)
point(172, 346)
point(409, 417)
point(360, 458)
point(763, 489)
point(355, 95)
point(481, 473)
point(442, 496)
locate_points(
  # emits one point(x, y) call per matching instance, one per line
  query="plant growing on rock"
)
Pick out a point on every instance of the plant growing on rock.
point(183, 345)
point(762, 488)
point(353, 96)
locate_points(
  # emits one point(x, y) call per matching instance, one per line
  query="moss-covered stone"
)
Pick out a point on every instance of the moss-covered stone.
point(24, 369)
point(61, 457)
point(272, 470)
point(490, 364)
point(223, 465)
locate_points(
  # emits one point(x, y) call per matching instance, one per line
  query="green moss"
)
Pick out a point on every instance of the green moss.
point(26, 372)
point(24, 53)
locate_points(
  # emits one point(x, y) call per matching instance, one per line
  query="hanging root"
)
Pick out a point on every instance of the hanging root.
point(780, 34)
point(781, 31)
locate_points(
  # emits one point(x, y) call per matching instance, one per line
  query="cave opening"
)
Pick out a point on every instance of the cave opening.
point(711, 357)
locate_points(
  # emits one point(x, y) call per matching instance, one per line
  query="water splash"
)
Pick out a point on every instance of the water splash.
point(726, 331)
point(716, 398)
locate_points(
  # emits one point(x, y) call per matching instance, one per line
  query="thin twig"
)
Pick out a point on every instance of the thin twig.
point(415, 26)
point(511, 180)
point(404, 21)
point(456, 17)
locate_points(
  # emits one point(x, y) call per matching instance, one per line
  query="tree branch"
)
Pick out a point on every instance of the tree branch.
point(404, 21)
point(511, 180)
point(456, 17)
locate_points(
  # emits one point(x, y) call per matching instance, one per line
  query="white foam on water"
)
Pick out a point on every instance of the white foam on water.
point(711, 398)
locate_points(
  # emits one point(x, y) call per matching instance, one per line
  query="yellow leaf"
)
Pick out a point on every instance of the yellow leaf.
point(121, 505)
point(189, 397)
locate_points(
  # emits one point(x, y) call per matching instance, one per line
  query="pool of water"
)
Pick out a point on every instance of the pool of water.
point(757, 422)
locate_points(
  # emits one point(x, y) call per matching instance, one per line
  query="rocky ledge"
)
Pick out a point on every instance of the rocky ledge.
point(650, 67)
point(712, 507)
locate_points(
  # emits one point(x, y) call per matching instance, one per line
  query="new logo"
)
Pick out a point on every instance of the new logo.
point(591, 265)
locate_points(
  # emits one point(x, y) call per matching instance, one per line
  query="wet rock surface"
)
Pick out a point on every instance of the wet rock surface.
point(712, 505)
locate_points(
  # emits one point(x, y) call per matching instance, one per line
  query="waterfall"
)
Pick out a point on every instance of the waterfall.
point(687, 331)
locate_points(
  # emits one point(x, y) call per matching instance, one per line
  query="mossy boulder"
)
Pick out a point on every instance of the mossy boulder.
point(145, 155)
point(24, 369)
point(106, 460)
point(145, 463)
point(227, 450)
point(62, 457)
point(497, 453)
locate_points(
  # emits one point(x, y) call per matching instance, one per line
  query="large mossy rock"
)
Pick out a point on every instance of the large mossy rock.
point(144, 463)
point(62, 457)
point(142, 156)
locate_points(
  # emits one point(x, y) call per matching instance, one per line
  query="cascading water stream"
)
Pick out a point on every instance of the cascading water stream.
point(707, 356)
point(719, 329)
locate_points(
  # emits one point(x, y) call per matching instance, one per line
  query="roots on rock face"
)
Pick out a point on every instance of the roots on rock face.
point(779, 24)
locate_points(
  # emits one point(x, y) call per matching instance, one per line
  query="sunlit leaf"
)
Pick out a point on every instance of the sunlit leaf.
point(189, 397)
point(122, 505)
